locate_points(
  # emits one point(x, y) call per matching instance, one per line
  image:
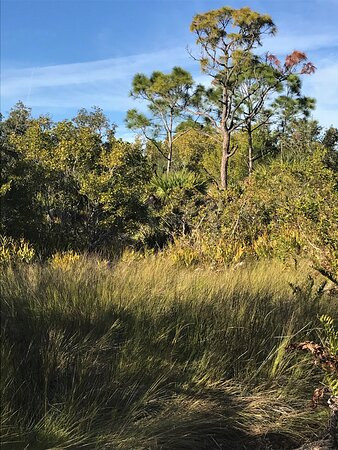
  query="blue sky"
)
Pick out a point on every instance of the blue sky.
point(60, 55)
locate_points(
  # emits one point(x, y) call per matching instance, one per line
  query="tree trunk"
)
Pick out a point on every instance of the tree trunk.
point(225, 159)
point(170, 155)
point(170, 143)
point(250, 149)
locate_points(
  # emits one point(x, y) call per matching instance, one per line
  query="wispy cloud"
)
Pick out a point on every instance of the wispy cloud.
point(286, 43)
point(86, 72)
point(107, 82)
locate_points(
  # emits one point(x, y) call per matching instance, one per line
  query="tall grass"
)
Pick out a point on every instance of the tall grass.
point(146, 355)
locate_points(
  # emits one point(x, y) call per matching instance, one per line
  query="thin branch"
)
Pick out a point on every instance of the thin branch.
point(153, 141)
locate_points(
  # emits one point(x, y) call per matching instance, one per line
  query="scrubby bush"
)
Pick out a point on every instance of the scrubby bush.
point(285, 210)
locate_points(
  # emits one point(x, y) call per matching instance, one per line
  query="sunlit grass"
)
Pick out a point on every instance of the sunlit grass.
point(142, 354)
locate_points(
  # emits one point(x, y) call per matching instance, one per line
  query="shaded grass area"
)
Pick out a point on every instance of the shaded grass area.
point(146, 355)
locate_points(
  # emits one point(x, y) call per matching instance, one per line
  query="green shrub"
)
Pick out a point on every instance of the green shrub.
point(285, 210)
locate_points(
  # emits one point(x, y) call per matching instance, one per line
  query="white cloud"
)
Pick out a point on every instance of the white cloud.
point(125, 134)
point(286, 43)
point(106, 83)
point(17, 81)
point(323, 86)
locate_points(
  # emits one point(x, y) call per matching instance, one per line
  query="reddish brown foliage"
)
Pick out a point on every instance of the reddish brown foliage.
point(294, 58)
point(308, 69)
point(318, 394)
point(321, 356)
point(273, 59)
point(291, 63)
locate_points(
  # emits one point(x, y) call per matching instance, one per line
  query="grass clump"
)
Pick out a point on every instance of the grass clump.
point(142, 354)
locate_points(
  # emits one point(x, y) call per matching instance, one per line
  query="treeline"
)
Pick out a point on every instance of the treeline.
point(217, 174)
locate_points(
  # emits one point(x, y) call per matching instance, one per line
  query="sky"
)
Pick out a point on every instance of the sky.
point(58, 56)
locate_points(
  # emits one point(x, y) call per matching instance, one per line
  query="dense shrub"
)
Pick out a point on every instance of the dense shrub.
point(284, 210)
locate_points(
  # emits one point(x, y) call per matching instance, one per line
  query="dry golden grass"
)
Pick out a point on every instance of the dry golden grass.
point(142, 354)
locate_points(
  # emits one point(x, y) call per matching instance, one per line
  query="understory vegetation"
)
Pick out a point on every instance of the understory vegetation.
point(143, 354)
point(150, 290)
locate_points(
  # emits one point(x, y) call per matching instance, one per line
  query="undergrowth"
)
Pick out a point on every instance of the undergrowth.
point(143, 354)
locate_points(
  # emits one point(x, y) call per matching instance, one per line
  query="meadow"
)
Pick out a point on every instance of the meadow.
point(144, 354)
point(169, 272)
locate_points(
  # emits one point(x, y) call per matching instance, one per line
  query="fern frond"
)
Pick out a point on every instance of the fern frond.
point(332, 383)
point(331, 334)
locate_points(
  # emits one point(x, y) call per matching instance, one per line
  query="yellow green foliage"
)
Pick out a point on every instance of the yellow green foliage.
point(130, 255)
point(330, 341)
point(199, 151)
point(285, 210)
point(64, 260)
point(71, 260)
point(12, 251)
